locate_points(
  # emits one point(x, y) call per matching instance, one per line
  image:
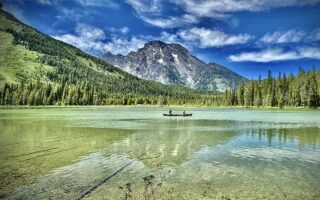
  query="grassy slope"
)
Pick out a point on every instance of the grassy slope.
point(17, 60)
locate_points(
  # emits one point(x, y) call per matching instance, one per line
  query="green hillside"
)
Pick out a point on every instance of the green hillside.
point(36, 69)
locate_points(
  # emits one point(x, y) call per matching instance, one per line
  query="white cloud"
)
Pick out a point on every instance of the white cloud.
point(91, 39)
point(314, 35)
point(123, 45)
point(46, 2)
point(168, 38)
point(153, 11)
point(146, 6)
point(271, 55)
point(219, 8)
point(123, 30)
point(212, 38)
point(82, 43)
point(87, 38)
point(99, 3)
point(289, 36)
point(89, 33)
point(150, 11)
point(170, 22)
point(200, 38)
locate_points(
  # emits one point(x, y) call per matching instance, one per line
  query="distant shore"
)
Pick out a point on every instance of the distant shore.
point(156, 106)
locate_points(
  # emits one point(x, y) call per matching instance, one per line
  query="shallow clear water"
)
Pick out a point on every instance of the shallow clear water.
point(215, 154)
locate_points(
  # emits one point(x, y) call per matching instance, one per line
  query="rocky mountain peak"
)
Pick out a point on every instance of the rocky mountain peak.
point(174, 64)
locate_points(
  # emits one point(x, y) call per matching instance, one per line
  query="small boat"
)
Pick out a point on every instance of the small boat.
point(180, 115)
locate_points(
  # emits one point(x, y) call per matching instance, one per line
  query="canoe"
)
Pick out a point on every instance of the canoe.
point(180, 115)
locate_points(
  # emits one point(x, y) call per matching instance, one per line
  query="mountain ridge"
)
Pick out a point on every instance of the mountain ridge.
point(174, 64)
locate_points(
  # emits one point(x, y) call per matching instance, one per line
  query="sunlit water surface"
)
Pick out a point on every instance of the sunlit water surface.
point(215, 154)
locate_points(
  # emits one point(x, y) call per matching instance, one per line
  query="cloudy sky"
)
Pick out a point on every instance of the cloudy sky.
point(247, 36)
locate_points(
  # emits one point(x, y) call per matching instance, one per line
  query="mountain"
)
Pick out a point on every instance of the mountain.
point(174, 64)
point(36, 69)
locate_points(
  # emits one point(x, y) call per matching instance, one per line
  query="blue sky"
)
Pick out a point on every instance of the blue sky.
point(247, 36)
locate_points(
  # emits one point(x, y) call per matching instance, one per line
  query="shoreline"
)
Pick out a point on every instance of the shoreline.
point(156, 106)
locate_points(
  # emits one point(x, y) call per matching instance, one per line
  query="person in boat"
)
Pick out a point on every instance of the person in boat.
point(170, 112)
point(184, 112)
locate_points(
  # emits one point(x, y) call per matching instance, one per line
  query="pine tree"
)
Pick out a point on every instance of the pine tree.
point(248, 94)
point(313, 97)
point(240, 95)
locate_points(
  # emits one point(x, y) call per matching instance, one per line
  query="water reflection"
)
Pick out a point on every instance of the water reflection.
point(174, 145)
point(305, 137)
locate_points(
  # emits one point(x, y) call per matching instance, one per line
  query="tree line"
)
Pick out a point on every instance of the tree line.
point(282, 91)
point(39, 93)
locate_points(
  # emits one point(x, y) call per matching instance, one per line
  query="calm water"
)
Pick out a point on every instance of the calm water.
point(215, 154)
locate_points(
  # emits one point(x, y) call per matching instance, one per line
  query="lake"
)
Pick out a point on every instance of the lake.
point(136, 153)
